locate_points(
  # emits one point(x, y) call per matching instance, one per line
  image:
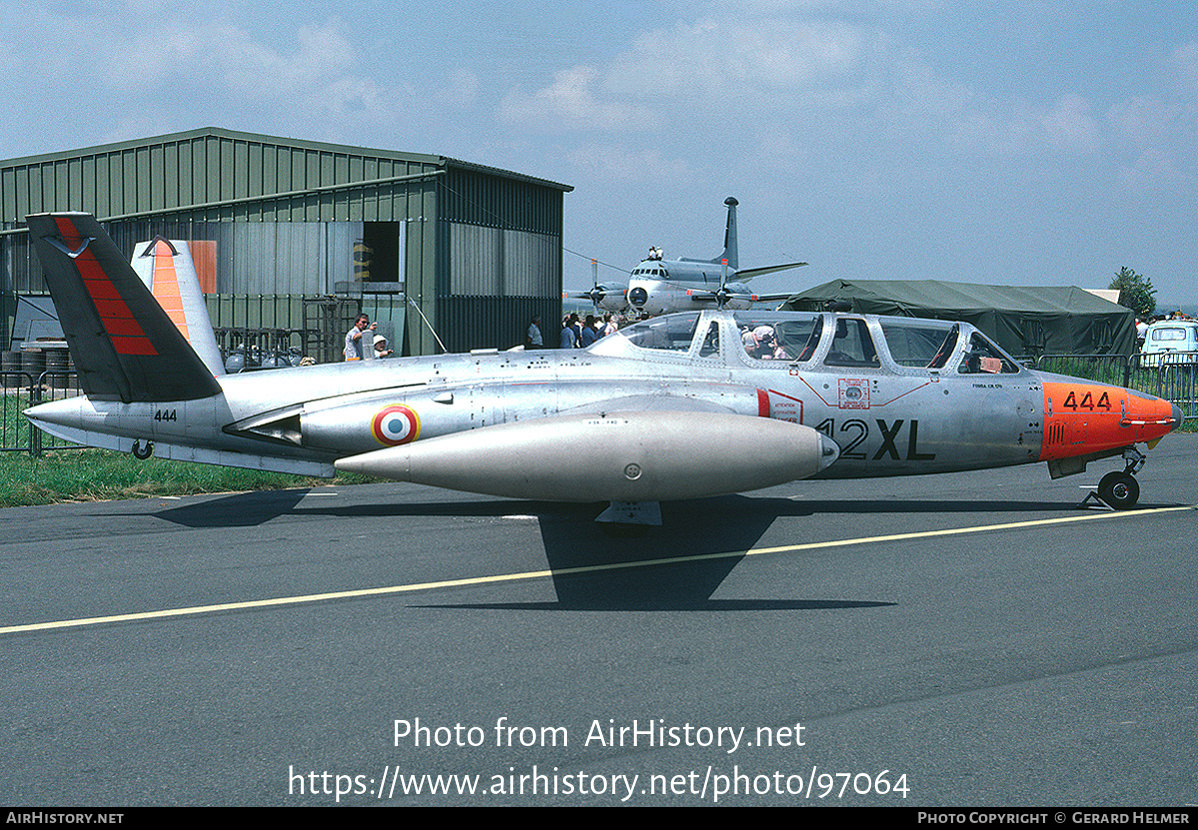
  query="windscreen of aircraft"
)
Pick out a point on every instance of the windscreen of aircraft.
point(796, 337)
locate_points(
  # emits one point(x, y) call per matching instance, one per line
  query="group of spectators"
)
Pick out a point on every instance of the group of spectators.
point(575, 332)
point(362, 342)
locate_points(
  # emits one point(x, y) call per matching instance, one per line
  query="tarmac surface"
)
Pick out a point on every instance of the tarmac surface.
point(955, 640)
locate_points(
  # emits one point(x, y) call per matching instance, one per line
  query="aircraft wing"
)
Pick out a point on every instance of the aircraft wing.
point(648, 403)
point(125, 346)
point(716, 296)
point(749, 273)
point(772, 298)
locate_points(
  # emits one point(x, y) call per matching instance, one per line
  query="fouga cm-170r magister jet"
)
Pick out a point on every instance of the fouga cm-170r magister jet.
point(685, 406)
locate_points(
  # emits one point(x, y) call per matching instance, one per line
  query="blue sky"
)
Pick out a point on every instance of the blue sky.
point(1028, 143)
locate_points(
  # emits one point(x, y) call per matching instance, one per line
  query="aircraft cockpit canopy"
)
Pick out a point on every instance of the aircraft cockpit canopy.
point(674, 332)
point(650, 270)
point(939, 344)
point(834, 341)
point(919, 344)
point(791, 337)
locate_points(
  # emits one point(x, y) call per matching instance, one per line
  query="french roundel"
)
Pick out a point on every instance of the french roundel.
point(397, 424)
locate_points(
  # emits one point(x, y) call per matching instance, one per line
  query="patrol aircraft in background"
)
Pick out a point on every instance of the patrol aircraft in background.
point(685, 406)
point(604, 297)
point(660, 286)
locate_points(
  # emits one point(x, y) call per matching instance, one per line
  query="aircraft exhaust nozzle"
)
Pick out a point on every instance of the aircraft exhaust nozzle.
point(623, 456)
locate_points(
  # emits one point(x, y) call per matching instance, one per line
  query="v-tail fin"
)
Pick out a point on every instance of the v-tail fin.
point(168, 270)
point(126, 348)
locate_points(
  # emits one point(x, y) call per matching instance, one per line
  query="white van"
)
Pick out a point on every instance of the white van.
point(1171, 336)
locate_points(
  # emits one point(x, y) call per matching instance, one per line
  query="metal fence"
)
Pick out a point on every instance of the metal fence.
point(1173, 376)
point(1168, 375)
point(1173, 380)
point(22, 390)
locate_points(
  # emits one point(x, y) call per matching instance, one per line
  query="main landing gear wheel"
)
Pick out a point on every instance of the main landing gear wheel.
point(1120, 490)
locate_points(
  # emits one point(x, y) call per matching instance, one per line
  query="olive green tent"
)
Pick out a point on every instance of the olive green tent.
point(1024, 320)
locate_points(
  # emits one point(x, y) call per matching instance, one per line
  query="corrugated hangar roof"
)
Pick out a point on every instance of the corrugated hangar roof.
point(223, 172)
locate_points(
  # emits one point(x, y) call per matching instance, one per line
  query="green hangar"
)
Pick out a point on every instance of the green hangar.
point(291, 238)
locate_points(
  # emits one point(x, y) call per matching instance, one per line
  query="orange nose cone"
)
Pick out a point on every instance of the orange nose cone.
point(1082, 418)
point(1151, 417)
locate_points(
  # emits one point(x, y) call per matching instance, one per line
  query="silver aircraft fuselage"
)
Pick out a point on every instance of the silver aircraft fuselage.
point(685, 394)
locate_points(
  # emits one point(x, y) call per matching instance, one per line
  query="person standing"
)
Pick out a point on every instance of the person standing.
point(569, 340)
point(533, 339)
point(589, 333)
point(355, 349)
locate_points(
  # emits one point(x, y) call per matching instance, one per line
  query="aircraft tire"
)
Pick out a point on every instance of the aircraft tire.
point(142, 452)
point(1120, 490)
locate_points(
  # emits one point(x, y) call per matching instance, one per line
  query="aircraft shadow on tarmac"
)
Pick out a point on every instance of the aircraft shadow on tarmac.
point(591, 569)
point(235, 510)
point(640, 575)
point(677, 567)
point(723, 512)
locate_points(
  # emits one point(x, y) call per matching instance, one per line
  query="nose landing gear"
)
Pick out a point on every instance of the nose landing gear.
point(1120, 489)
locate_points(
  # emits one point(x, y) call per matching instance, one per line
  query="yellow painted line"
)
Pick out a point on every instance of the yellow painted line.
point(527, 575)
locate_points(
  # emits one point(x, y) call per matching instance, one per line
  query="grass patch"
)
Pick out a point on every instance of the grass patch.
point(101, 475)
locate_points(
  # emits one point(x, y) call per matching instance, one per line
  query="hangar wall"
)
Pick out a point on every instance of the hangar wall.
point(272, 221)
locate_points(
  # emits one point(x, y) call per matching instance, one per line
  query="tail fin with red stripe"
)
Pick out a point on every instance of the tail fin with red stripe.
point(126, 348)
point(168, 270)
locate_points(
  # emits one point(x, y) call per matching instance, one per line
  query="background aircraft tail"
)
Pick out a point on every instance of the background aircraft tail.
point(730, 252)
point(125, 346)
point(167, 269)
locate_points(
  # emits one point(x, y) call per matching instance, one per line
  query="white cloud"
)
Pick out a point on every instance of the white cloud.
point(116, 73)
point(570, 102)
point(1184, 60)
point(1152, 170)
point(612, 163)
point(463, 88)
point(725, 59)
point(1070, 126)
point(790, 86)
point(226, 63)
point(1141, 120)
